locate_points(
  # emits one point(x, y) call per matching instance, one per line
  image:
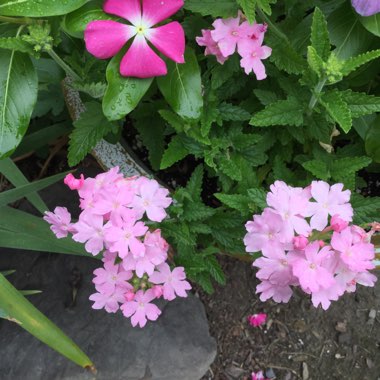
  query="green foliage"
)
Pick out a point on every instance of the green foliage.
point(320, 40)
point(214, 8)
point(175, 152)
point(366, 210)
point(353, 63)
point(249, 9)
point(16, 44)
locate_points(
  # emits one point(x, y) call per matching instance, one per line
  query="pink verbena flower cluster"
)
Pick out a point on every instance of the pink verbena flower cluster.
point(135, 271)
point(307, 240)
point(231, 34)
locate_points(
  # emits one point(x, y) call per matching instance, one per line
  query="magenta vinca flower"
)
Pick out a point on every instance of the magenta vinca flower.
point(105, 38)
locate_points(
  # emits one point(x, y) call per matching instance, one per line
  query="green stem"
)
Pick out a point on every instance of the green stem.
point(272, 26)
point(317, 91)
point(16, 20)
point(69, 71)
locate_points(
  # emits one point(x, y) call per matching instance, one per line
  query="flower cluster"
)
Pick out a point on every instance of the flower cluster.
point(307, 240)
point(231, 34)
point(135, 271)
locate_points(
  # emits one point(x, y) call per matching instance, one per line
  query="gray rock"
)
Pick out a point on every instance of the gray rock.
point(177, 346)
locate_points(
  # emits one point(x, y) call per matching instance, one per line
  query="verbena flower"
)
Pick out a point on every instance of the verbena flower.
point(105, 38)
point(60, 222)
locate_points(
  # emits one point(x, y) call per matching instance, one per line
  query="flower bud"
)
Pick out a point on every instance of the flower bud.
point(158, 291)
point(73, 183)
point(129, 296)
point(300, 242)
point(337, 223)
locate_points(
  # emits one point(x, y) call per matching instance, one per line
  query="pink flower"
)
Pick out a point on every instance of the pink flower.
point(300, 242)
point(252, 55)
point(279, 293)
point(90, 230)
point(256, 320)
point(258, 376)
point(109, 302)
point(329, 201)
point(111, 276)
point(140, 308)
point(357, 256)
point(173, 281)
point(129, 295)
point(73, 183)
point(324, 297)
point(366, 7)
point(158, 291)
point(338, 224)
point(310, 269)
point(104, 39)
point(60, 221)
point(212, 47)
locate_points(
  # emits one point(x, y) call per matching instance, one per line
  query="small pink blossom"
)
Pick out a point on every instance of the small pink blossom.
point(73, 183)
point(212, 47)
point(300, 242)
point(338, 224)
point(252, 55)
point(60, 221)
point(129, 295)
point(109, 302)
point(256, 320)
point(279, 293)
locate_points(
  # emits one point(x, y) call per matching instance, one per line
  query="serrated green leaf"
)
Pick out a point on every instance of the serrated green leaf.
point(231, 112)
point(89, 129)
point(353, 63)
point(265, 97)
point(258, 197)
point(372, 140)
point(17, 44)
point(337, 109)
point(174, 153)
point(230, 168)
point(95, 90)
point(366, 210)
point(196, 211)
point(320, 40)
point(194, 184)
point(318, 168)
point(249, 8)
point(315, 61)
point(360, 103)
point(235, 201)
point(175, 121)
point(282, 112)
point(344, 169)
point(265, 5)
point(215, 269)
point(215, 8)
point(203, 279)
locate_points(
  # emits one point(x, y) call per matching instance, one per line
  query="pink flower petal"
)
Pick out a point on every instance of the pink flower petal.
point(141, 61)
point(128, 9)
point(104, 38)
point(169, 39)
point(155, 11)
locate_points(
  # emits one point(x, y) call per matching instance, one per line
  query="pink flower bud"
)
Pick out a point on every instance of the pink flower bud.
point(256, 320)
point(73, 183)
point(337, 223)
point(129, 296)
point(300, 242)
point(158, 291)
point(321, 243)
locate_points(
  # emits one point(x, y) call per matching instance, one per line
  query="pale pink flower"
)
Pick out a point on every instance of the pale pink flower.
point(105, 38)
point(109, 302)
point(158, 291)
point(329, 201)
point(357, 256)
point(140, 308)
point(300, 242)
point(256, 320)
point(348, 279)
point(60, 221)
point(252, 54)
point(324, 297)
point(73, 183)
point(337, 223)
point(212, 47)
point(279, 293)
point(310, 269)
point(174, 283)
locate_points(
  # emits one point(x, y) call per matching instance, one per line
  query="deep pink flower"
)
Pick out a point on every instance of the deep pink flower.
point(73, 183)
point(60, 221)
point(104, 39)
point(258, 376)
point(212, 47)
point(366, 7)
point(140, 308)
point(174, 283)
point(256, 320)
point(109, 302)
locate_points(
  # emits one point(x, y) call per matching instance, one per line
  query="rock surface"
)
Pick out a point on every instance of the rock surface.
point(177, 346)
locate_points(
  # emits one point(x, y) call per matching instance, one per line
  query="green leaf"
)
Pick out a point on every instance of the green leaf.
point(18, 95)
point(175, 121)
point(215, 8)
point(372, 141)
point(265, 97)
point(282, 112)
point(123, 94)
point(231, 112)
point(265, 5)
point(372, 23)
point(315, 61)
point(75, 22)
point(249, 9)
point(354, 62)
point(196, 211)
point(95, 90)
point(235, 201)
point(320, 40)
point(360, 103)
point(366, 210)
point(17, 44)
point(215, 269)
point(343, 167)
point(40, 8)
point(230, 168)
point(91, 127)
point(182, 87)
point(318, 169)
point(194, 184)
point(14, 175)
point(338, 109)
point(174, 153)
point(17, 307)
point(258, 197)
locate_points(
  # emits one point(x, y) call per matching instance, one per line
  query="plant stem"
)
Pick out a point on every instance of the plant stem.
point(272, 26)
point(69, 71)
point(16, 20)
point(314, 98)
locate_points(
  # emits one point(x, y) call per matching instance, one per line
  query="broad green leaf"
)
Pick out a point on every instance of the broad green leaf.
point(360, 103)
point(318, 169)
point(16, 306)
point(354, 62)
point(372, 24)
point(342, 167)
point(230, 112)
point(13, 195)
point(182, 87)
point(337, 109)
point(315, 61)
point(215, 8)
point(75, 22)
point(38, 8)
point(17, 44)
point(372, 141)
point(174, 153)
point(123, 94)
point(249, 9)
point(320, 39)
point(282, 112)
point(265, 97)
point(91, 127)
point(14, 175)
point(18, 95)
